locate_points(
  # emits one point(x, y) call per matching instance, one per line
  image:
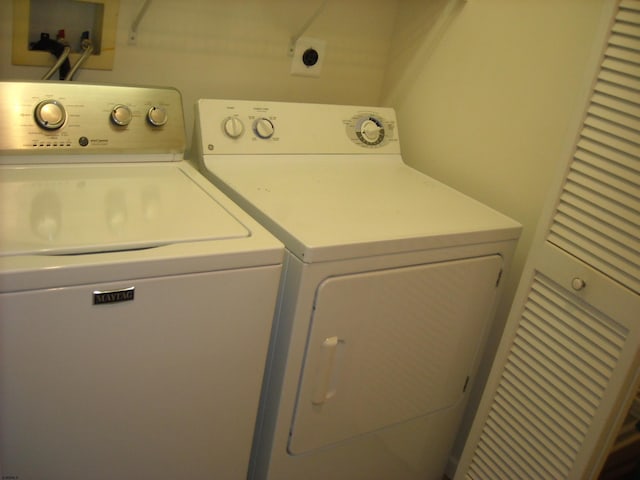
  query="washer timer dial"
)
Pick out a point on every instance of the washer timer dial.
point(50, 114)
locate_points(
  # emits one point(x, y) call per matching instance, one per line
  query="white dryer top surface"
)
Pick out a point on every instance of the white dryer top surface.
point(326, 207)
point(77, 209)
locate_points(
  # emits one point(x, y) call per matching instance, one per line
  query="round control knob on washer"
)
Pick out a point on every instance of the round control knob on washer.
point(121, 115)
point(50, 114)
point(263, 128)
point(157, 116)
point(233, 127)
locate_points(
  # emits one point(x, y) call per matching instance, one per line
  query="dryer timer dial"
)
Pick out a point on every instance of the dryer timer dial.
point(369, 130)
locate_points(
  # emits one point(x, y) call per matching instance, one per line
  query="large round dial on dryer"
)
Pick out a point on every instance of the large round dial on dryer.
point(370, 130)
point(50, 114)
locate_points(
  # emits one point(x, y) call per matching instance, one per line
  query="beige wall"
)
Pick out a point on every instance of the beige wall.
point(239, 49)
point(489, 99)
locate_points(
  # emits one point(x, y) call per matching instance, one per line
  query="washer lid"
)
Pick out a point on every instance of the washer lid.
point(71, 209)
point(326, 207)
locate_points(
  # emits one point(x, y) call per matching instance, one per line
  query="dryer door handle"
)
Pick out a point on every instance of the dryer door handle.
point(325, 382)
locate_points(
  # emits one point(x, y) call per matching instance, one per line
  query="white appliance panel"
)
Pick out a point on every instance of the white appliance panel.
point(389, 346)
point(325, 207)
point(164, 386)
point(79, 209)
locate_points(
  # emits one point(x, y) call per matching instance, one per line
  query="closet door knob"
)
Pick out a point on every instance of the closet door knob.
point(578, 284)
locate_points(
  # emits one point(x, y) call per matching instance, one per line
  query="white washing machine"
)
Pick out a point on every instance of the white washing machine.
point(136, 300)
point(389, 288)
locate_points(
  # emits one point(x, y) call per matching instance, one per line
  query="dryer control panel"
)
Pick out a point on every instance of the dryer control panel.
point(255, 127)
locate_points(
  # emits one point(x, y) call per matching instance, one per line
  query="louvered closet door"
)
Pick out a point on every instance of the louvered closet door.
point(569, 358)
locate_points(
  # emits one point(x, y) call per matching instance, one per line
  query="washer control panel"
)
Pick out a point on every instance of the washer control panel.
point(44, 118)
point(245, 126)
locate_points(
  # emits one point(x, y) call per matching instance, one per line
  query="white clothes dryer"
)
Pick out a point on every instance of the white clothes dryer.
point(136, 300)
point(389, 288)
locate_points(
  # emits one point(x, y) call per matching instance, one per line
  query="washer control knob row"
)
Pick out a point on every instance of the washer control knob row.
point(263, 128)
point(50, 114)
point(157, 116)
point(121, 115)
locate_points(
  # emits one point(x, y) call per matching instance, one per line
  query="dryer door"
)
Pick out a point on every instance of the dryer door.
point(388, 346)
